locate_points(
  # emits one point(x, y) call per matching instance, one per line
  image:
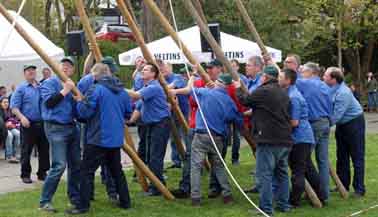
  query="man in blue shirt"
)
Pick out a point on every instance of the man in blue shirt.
point(348, 116)
point(253, 70)
point(105, 107)
point(25, 104)
point(59, 114)
point(155, 113)
point(318, 97)
point(137, 74)
point(300, 155)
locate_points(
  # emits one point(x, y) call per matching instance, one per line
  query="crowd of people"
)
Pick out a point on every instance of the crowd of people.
point(289, 112)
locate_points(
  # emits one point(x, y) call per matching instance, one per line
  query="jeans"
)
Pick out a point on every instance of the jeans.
point(372, 100)
point(93, 157)
point(65, 151)
point(12, 143)
point(350, 144)
point(272, 164)
point(321, 129)
point(157, 140)
point(185, 180)
point(202, 146)
point(235, 143)
point(214, 185)
point(30, 137)
point(175, 155)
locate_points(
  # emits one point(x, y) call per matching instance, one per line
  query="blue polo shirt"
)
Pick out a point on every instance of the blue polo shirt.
point(244, 79)
point(178, 81)
point(138, 82)
point(218, 108)
point(27, 99)
point(155, 106)
point(85, 83)
point(299, 112)
point(345, 105)
point(253, 84)
point(318, 97)
point(65, 111)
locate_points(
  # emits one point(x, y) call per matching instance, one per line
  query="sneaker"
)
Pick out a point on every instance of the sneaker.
point(228, 199)
point(13, 160)
point(252, 190)
point(26, 180)
point(213, 194)
point(76, 211)
point(196, 202)
point(47, 208)
point(256, 212)
point(180, 194)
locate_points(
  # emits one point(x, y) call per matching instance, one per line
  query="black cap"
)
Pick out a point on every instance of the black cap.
point(30, 66)
point(68, 59)
point(213, 63)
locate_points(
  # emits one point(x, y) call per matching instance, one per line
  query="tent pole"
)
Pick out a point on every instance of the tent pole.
point(53, 64)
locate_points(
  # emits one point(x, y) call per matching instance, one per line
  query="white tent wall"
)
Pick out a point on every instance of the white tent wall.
point(18, 53)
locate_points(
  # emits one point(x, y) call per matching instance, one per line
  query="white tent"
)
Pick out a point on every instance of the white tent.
point(17, 52)
point(165, 48)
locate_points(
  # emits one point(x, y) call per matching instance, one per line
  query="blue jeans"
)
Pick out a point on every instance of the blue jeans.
point(272, 163)
point(185, 180)
point(350, 143)
point(65, 151)
point(372, 100)
point(12, 143)
point(157, 140)
point(175, 155)
point(321, 129)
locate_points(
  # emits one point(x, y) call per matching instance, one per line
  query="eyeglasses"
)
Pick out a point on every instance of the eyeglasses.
point(288, 61)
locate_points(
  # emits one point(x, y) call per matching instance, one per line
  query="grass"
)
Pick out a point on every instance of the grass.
point(25, 204)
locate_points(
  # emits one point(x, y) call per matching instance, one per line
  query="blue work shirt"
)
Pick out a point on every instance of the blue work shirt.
point(27, 99)
point(155, 106)
point(65, 111)
point(218, 108)
point(299, 111)
point(85, 83)
point(178, 81)
point(318, 97)
point(253, 84)
point(244, 79)
point(138, 82)
point(345, 105)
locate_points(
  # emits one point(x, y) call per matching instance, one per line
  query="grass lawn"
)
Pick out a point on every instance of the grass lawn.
point(25, 204)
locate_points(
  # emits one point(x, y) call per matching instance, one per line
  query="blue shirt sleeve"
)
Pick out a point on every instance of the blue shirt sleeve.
point(179, 82)
point(87, 107)
point(340, 105)
point(148, 92)
point(16, 100)
point(128, 109)
point(295, 109)
point(138, 105)
point(47, 90)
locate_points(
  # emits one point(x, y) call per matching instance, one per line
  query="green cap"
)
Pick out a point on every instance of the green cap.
point(30, 66)
point(213, 63)
point(183, 70)
point(108, 60)
point(68, 59)
point(271, 70)
point(225, 79)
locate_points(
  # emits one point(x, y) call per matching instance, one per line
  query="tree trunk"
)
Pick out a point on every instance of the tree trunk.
point(149, 26)
point(60, 20)
point(48, 18)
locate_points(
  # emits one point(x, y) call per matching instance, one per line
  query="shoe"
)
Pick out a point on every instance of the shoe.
point(76, 211)
point(196, 202)
point(41, 178)
point(283, 210)
point(151, 194)
point(47, 208)
point(256, 212)
point(213, 194)
point(27, 180)
point(180, 194)
point(228, 199)
point(13, 160)
point(235, 162)
point(253, 172)
point(174, 166)
point(252, 190)
point(358, 195)
point(114, 199)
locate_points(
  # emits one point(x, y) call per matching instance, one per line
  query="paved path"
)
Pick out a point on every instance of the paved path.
point(9, 173)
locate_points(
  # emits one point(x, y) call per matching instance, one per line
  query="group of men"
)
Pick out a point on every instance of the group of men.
point(289, 112)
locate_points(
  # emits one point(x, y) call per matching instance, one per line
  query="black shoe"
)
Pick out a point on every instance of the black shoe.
point(196, 202)
point(76, 211)
point(41, 178)
point(27, 180)
point(180, 194)
point(235, 162)
point(252, 190)
point(213, 194)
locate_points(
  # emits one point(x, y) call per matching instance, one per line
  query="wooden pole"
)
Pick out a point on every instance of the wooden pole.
point(140, 164)
point(198, 5)
point(312, 195)
point(251, 26)
point(148, 56)
point(53, 64)
point(339, 185)
point(140, 175)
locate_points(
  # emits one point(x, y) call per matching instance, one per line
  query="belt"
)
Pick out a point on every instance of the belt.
point(57, 123)
point(321, 118)
point(206, 132)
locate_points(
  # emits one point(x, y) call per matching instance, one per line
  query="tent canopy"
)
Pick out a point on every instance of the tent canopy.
point(17, 51)
point(165, 48)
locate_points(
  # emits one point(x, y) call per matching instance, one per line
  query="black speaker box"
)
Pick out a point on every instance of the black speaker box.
point(76, 43)
point(215, 31)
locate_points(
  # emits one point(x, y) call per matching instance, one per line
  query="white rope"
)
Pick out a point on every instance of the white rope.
point(363, 211)
point(207, 127)
point(11, 28)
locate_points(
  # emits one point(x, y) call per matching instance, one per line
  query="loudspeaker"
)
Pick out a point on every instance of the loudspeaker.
point(215, 31)
point(76, 43)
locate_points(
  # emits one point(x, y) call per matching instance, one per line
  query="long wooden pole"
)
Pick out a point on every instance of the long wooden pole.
point(198, 5)
point(127, 147)
point(339, 185)
point(53, 64)
point(312, 195)
point(148, 56)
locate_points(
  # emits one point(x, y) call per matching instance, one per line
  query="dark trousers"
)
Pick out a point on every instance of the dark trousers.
point(214, 184)
point(157, 140)
point(142, 148)
point(350, 144)
point(30, 137)
point(302, 167)
point(235, 143)
point(93, 157)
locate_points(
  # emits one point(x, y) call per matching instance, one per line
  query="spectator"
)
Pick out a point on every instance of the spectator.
point(293, 62)
point(3, 91)
point(372, 87)
point(46, 74)
point(12, 125)
point(355, 92)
